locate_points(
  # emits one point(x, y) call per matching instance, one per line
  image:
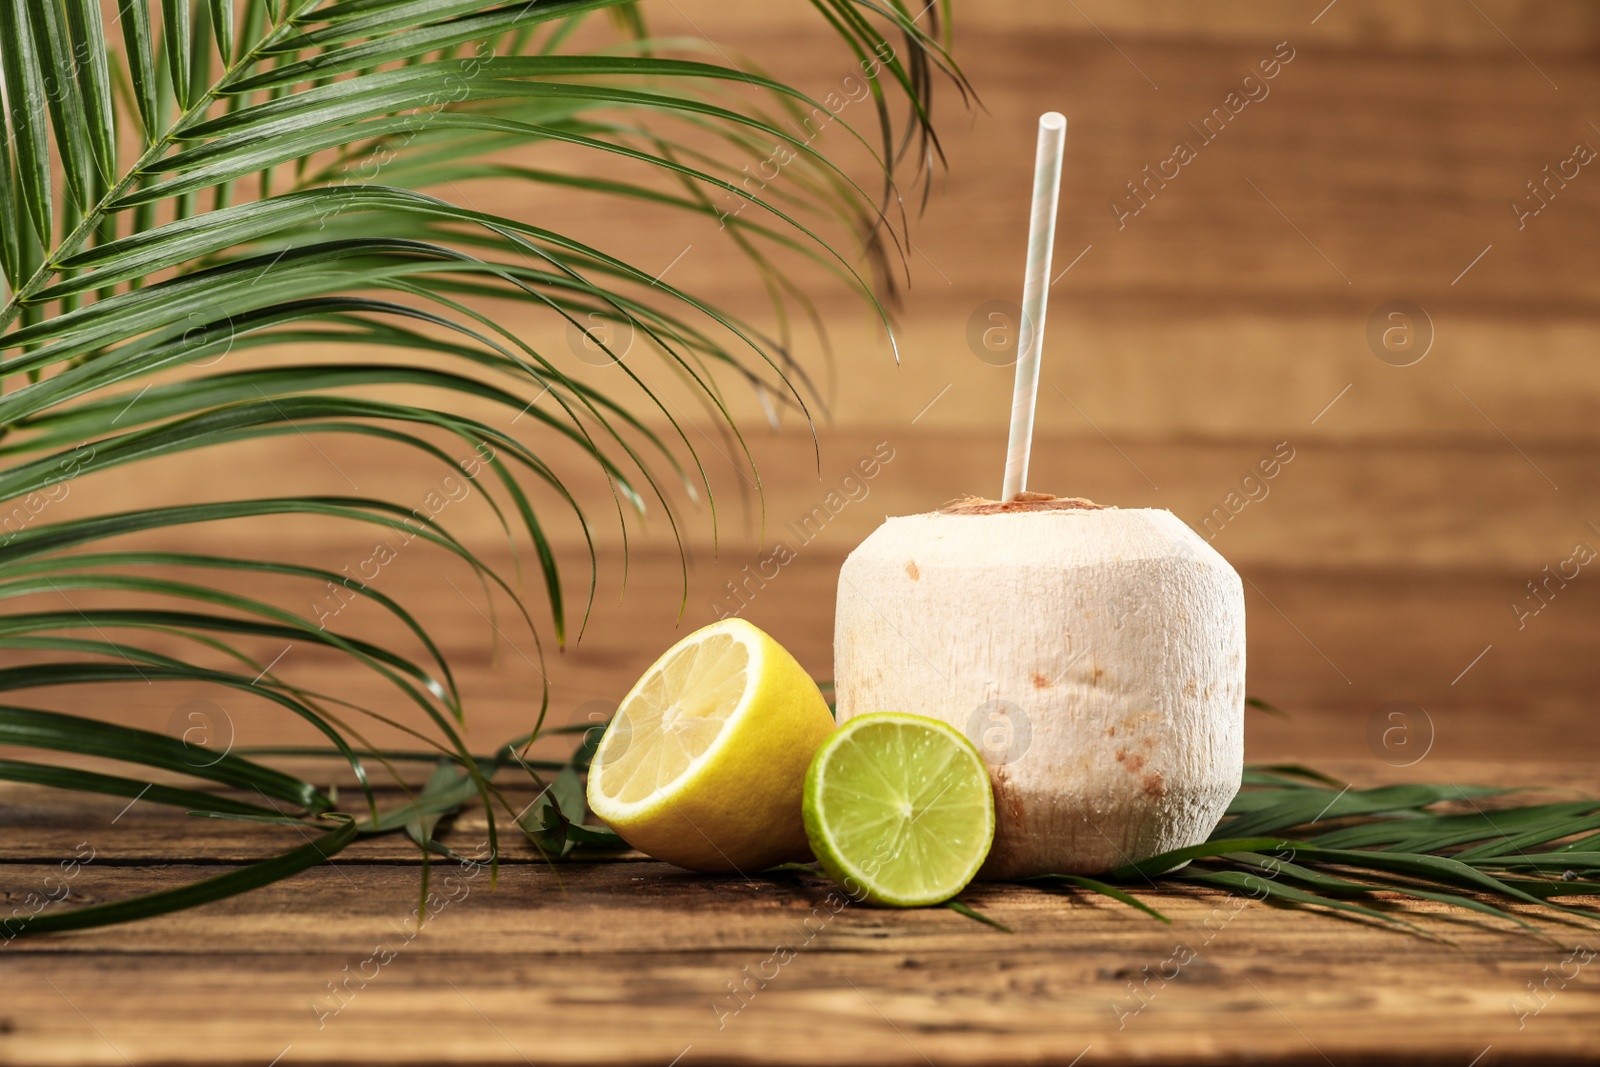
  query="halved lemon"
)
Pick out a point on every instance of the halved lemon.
point(705, 762)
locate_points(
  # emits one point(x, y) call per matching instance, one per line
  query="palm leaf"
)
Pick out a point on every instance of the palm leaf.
point(307, 129)
point(58, 732)
point(241, 880)
point(1363, 852)
point(117, 786)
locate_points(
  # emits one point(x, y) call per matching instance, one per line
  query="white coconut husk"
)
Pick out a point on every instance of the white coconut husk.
point(1095, 655)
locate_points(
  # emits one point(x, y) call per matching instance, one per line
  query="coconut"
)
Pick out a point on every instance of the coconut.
point(1095, 655)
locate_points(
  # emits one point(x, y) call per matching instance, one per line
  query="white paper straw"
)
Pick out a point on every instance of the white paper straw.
point(1035, 292)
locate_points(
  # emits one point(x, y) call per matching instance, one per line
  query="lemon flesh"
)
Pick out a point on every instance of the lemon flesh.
point(704, 764)
point(899, 809)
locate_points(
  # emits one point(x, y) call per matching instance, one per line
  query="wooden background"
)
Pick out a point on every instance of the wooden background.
point(1384, 571)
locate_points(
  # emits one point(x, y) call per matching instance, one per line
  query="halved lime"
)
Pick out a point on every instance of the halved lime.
point(899, 809)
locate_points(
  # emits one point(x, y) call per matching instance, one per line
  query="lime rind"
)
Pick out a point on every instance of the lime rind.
point(899, 809)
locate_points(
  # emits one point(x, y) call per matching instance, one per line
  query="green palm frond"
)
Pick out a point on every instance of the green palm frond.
point(214, 212)
point(1296, 838)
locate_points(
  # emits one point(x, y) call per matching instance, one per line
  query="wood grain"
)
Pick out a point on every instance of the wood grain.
point(632, 962)
point(1383, 161)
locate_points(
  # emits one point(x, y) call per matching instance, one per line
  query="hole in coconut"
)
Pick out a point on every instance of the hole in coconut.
point(977, 505)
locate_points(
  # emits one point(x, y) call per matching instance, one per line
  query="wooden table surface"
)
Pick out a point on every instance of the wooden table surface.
point(1388, 565)
point(634, 962)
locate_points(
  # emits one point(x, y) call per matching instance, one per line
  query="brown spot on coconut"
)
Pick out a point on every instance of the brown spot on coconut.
point(1040, 681)
point(911, 569)
point(1005, 592)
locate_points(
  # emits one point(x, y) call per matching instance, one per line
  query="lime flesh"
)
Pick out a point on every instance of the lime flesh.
point(899, 810)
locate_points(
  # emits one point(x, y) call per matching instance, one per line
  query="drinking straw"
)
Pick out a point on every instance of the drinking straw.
point(1035, 291)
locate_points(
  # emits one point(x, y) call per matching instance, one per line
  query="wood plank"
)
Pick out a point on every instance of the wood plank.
point(1329, 647)
point(1329, 644)
point(46, 827)
point(1425, 25)
point(1393, 501)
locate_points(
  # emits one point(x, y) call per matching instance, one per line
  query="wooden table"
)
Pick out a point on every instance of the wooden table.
point(631, 961)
